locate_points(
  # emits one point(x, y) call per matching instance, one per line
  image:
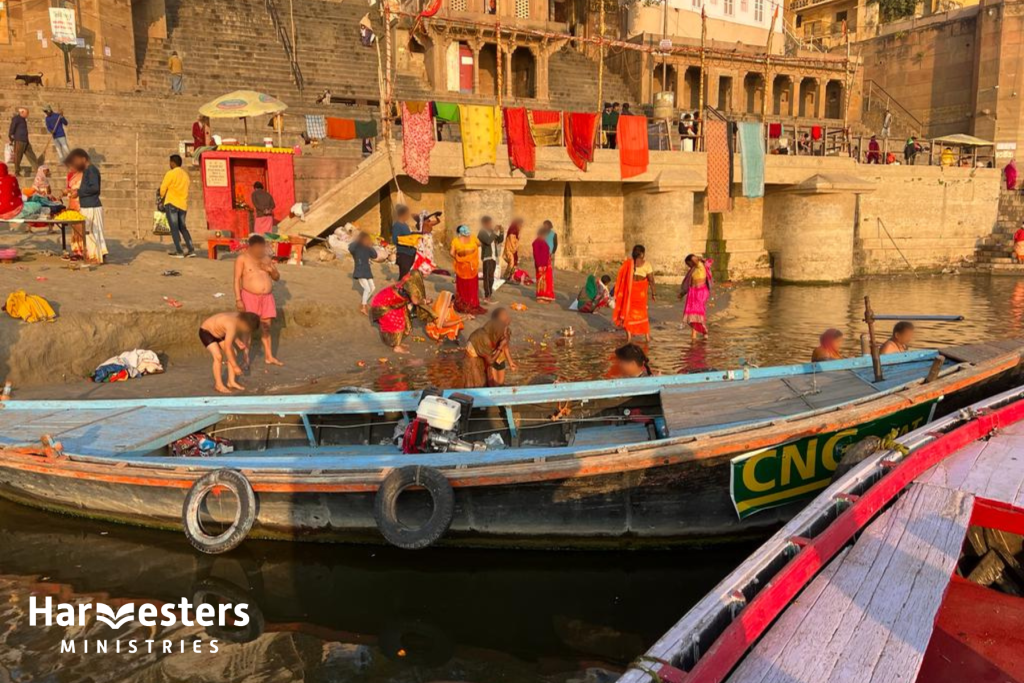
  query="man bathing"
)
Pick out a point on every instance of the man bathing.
point(221, 334)
point(255, 275)
point(901, 339)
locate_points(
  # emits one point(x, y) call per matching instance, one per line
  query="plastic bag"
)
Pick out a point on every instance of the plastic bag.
point(9, 153)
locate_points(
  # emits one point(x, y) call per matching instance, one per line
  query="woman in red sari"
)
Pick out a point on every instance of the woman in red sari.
point(465, 253)
point(632, 287)
point(543, 262)
point(389, 309)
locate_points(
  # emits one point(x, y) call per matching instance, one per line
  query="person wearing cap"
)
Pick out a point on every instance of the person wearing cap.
point(55, 123)
point(405, 250)
point(829, 344)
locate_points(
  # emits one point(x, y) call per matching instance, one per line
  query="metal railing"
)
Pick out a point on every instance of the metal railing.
point(875, 93)
point(286, 42)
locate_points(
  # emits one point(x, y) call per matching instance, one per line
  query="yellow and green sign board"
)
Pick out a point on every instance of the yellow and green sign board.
point(770, 477)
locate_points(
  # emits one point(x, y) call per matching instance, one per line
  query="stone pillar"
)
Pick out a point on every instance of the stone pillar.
point(540, 65)
point(467, 199)
point(475, 46)
point(659, 215)
point(819, 98)
point(809, 228)
point(768, 94)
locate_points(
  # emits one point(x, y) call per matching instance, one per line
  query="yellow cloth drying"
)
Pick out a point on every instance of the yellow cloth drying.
point(29, 307)
point(481, 133)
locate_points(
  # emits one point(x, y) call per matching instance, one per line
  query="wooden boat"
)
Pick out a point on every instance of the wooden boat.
point(906, 568)
point(619, 463)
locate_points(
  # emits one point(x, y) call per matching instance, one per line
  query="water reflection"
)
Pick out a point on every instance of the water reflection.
point(756, 325)
point(324, 613)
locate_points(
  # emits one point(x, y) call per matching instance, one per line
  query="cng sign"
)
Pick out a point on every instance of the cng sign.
point(770, 477)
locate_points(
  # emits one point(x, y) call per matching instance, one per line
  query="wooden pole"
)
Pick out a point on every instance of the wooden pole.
point(876, 359)
point(600, 70)
point(767, 66)
point(600, 63)
point(846, 91)
point(700, 84)
point(664, 55)
point(497, 50)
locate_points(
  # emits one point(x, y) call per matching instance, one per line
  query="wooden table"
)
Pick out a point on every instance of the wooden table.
point(63, 225)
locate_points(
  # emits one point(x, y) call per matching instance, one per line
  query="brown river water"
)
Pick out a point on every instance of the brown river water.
point(376, 615)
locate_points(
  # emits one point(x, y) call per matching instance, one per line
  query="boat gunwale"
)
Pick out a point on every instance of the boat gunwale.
point(688, 632)
point(622, 458)
point(400, 401)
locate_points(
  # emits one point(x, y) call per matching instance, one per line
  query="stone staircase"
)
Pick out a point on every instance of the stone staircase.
point(572, 82)
point(994, 253)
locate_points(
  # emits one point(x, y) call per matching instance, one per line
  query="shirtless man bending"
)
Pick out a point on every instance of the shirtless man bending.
point(255, 275)
point(221, 334)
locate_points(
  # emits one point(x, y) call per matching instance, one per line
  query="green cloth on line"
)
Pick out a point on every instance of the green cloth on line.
point(446, 111)
point(366, 129)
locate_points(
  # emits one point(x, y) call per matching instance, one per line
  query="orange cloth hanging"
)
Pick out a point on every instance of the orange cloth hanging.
point(632, 143)
point(341, 129)
point(580, 130)
point(522, 152)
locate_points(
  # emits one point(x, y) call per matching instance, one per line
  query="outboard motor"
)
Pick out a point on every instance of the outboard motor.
point(439, 424)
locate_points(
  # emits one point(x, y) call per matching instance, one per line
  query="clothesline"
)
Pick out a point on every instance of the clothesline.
point(524, 131)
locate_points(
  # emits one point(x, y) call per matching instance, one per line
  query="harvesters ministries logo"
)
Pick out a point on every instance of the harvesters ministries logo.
point(82, 617)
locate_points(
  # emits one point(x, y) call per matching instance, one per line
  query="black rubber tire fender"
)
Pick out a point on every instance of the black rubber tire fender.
point(245, 515)
point(385, 507)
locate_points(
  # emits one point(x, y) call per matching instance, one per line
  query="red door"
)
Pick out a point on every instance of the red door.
point(465, 70)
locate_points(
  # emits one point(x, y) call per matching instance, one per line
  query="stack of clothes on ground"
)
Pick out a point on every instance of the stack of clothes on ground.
point(128, 365)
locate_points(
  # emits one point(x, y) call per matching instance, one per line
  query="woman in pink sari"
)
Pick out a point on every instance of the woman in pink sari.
point(542, 261)
point(695, 291)
point(1010, 174)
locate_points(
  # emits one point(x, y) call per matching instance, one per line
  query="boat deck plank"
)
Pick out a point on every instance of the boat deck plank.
point(992, 469)
point(687, 410)
point(873, 609)
point(93, 432)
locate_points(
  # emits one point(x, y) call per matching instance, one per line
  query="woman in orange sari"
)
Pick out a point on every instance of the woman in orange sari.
point(466, 255)
point(632, 287)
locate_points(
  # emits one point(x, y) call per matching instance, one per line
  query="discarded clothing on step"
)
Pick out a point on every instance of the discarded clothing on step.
point(631, 137)
point(716, 142)
point(774, 130)
point(580, 130)
point(752, 158)
point(546, 127)
point(481, 134)
point(108, 374)
point(136, 363)
point(446, 111)
point(522, 153)
point(200, 445)
point(341, 129)
point(521, 277)
point(316, 126)
point(417, 142)
point(31, 308)
point(366, 129)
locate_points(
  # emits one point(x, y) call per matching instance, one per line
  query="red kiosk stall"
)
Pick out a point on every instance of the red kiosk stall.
point(229, 174)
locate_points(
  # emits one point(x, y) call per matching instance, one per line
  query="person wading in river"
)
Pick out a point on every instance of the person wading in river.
point(487, 353)
point(633, 285)
point(828, 346)
point(631, 362)
point(902, 337)
point(255, 275)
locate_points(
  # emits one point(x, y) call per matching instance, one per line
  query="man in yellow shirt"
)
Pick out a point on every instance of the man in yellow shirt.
point(177, 74)
point(174, 193)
